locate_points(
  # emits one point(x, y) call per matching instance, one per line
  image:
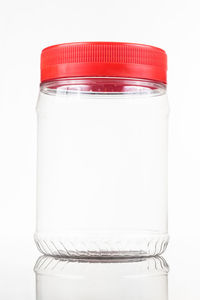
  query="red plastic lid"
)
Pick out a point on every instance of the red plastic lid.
point(103, 59)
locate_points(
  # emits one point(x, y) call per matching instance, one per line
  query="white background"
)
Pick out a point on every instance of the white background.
point(28, 26)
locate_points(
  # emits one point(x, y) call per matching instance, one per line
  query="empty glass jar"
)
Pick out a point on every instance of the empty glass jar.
point(102, 150)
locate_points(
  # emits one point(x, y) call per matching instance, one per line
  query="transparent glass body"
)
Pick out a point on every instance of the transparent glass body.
point(102, 168)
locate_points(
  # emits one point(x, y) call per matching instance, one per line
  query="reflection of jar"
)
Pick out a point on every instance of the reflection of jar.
point(144, 279)
point(102, 151)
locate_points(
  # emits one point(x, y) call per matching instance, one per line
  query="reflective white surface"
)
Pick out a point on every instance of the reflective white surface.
point(57, 280)
point(101, 279)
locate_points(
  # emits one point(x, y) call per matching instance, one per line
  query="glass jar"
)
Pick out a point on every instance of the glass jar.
point(102, 151)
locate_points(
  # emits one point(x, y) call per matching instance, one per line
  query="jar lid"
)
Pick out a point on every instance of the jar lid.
point(103, 59)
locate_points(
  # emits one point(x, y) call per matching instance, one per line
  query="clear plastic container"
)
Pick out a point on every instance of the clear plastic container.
point(102, 167)
point(141, 278)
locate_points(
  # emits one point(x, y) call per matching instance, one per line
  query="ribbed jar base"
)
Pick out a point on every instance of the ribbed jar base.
point(135, 245)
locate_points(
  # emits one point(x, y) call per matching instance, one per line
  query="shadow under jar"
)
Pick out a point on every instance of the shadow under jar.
point(102, 151)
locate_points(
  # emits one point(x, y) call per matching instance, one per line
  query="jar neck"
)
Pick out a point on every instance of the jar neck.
point(103, 85)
